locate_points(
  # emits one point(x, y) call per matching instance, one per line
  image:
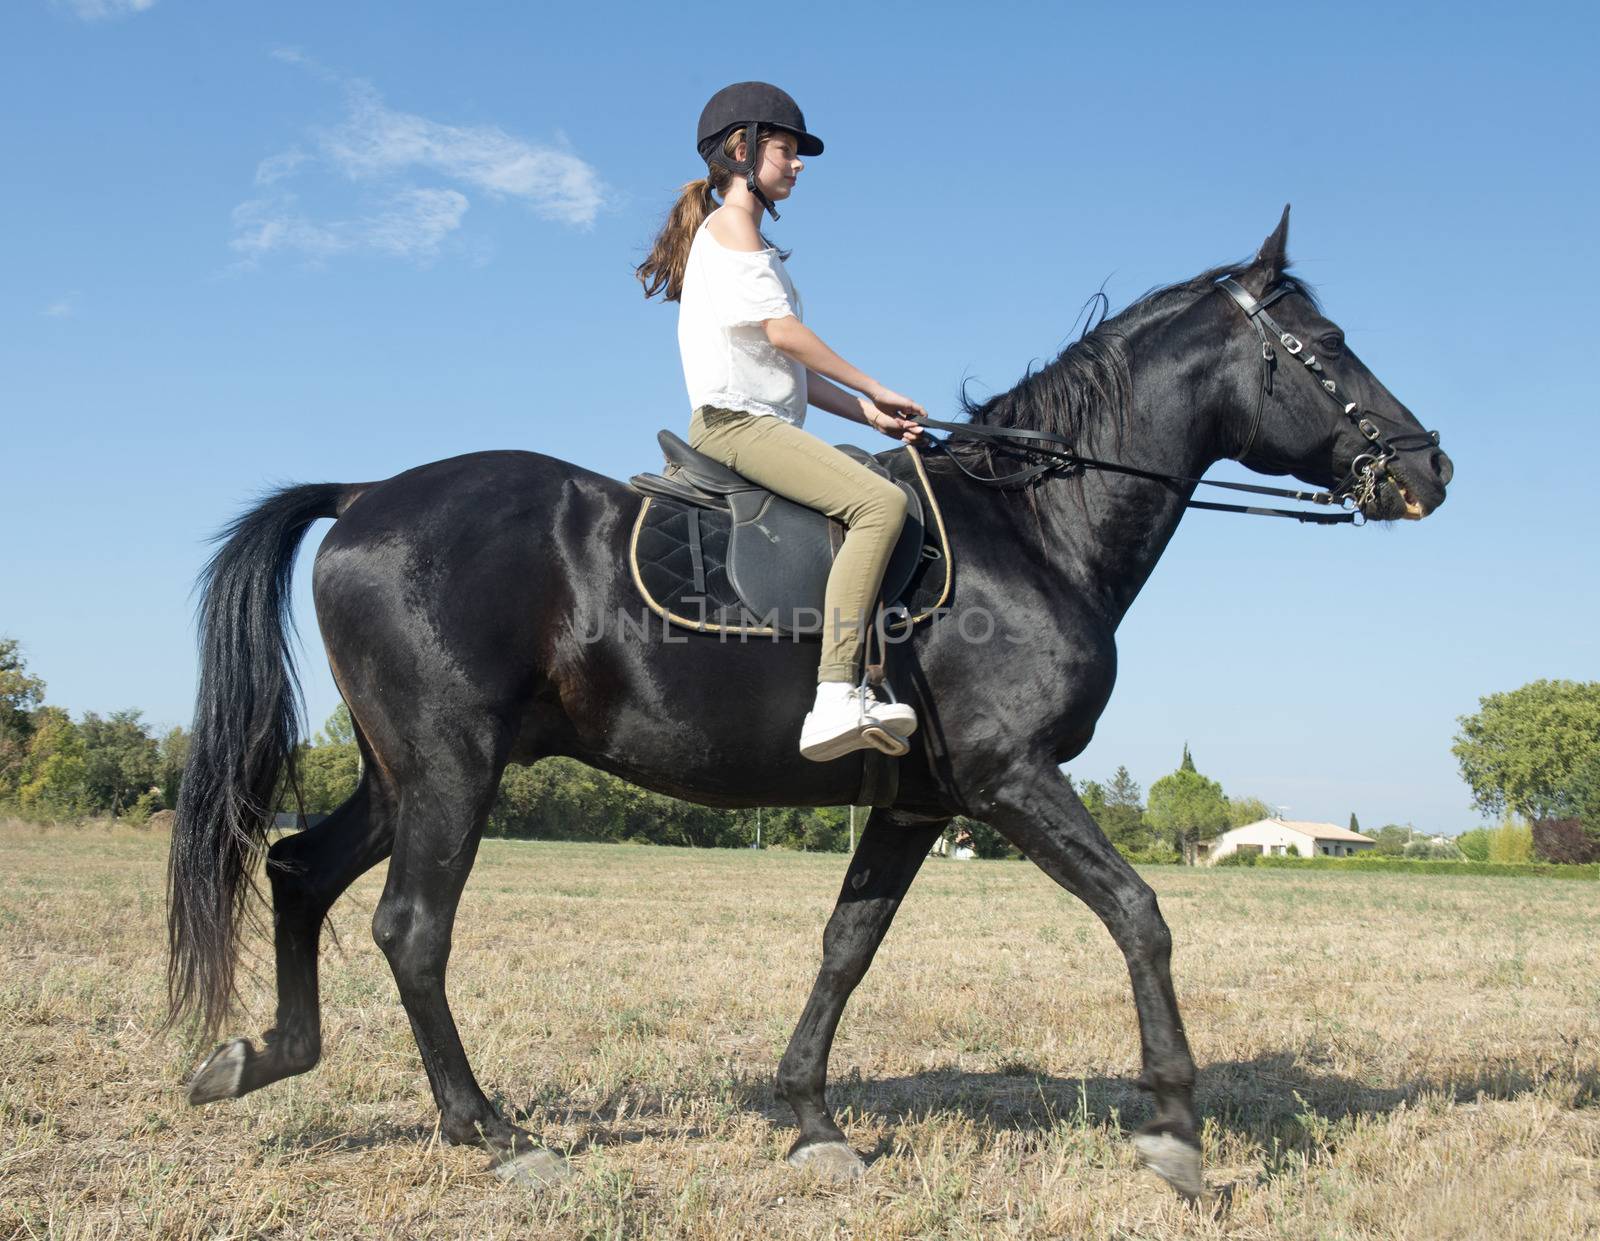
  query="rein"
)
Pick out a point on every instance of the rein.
point(1351, 493)
point(1063, 458)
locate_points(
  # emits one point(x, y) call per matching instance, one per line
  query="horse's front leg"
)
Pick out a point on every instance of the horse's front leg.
point(885, 863)
point(1034, 806)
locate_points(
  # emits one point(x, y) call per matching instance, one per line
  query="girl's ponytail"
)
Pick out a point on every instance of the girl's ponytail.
point(663, 271)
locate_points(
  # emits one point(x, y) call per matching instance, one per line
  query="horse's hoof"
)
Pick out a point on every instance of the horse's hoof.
point(535, 1169)
point(833, 1161)
point(221, 1074)
point(1172, 1159)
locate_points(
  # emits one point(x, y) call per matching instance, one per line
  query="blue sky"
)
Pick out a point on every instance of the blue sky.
point(253, 243)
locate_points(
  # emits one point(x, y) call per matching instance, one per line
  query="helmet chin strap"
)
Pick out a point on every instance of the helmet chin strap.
point(747, 166)
point(750, 183)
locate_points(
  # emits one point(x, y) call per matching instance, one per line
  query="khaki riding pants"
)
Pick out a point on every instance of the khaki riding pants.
point(795, 464)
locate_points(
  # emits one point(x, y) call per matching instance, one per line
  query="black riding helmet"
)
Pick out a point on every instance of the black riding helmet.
point(748, 105)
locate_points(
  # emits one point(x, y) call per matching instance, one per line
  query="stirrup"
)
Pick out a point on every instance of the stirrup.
point(883, 740)
point(877, 736)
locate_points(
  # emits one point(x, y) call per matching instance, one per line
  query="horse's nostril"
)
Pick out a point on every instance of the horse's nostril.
point(1443, 467)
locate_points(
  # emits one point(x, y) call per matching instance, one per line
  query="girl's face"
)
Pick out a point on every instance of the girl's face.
point(780, 165)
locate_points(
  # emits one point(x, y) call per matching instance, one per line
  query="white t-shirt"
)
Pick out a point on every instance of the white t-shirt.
point(727, 359)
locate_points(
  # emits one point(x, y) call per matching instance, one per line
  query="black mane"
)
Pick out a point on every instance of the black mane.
point(1088, 387)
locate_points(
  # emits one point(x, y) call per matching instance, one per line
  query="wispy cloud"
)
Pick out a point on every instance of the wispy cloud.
point(277, 167)
point(376, 141)
point(62, 308)
point(102, 10)
point(412, 225)
point(386, 152)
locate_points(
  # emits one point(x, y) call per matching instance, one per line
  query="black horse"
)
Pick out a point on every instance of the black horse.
point(453, 600)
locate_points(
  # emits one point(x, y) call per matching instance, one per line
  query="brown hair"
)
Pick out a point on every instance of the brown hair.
point(663, 271)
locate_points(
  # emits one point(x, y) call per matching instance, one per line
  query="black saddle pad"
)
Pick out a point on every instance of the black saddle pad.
point(669, 536)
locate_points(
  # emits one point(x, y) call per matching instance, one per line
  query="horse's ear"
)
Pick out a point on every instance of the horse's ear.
point(1270, 260)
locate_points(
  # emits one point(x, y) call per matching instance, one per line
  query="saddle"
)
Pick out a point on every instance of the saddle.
point(714, 552)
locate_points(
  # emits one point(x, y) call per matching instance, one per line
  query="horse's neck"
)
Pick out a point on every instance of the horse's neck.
point(1107, 540)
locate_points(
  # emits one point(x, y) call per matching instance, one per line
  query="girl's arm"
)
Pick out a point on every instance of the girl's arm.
point(794, 339)
point(836, 400)
point(831, 397)
point(881, 408)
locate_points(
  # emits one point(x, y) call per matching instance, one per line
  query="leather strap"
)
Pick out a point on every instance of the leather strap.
point(697, 558)
point(874, 671)
point(880, 779)
point(1385, 447)
point(750, 149)
point(1308, 518)
point(1059, 455)
point(1064, 456)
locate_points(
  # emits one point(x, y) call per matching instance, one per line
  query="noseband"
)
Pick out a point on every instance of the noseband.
point(1360, 483)
point(1352, 493)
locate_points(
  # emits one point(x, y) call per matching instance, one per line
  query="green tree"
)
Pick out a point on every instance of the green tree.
point(659, 819)
point(120, 759)
point(1355, 825)
point(54, 778)
point(1392, 839)
point(1523, 750)
point(554, 799)
point(562, 799)
point(172, 753)
point(1511, 842)
point(782, 827)
point(20, 695)
point(1117, 806)
point(813, 829)
point(1583, 797)
point(327, 776)
point(1123, 819)
point(327, 769)
point(984, 841)
point(338, 728)
point(1242, 810)
point(1186, 806)
point(1093, 797)
point(1428, 850)
point(827, 829)
point(1474, 845)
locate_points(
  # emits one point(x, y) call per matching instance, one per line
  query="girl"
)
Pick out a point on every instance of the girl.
point(751, 366)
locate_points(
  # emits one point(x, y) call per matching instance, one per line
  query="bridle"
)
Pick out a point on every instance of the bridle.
point(1352, 493)
point(1360, 482)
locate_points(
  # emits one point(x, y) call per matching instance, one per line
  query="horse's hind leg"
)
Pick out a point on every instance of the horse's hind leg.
point(886, 861)
point(446, 791)
point(308, 871)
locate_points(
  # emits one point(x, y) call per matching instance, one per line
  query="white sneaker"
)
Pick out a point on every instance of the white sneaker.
point(834, 724)
point(841, 721)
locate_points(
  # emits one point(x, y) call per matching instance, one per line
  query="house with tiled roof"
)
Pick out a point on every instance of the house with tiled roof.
point(1285, 838)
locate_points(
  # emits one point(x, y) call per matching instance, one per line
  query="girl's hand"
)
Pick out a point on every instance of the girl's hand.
point(893, 414)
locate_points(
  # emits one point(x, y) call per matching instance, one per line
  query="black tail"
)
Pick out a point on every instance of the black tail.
point(246, 725)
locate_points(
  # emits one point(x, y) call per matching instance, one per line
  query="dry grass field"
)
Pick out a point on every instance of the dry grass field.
point(1380, 1057)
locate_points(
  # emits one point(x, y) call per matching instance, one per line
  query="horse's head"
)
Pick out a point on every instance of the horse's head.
point(1309, 407)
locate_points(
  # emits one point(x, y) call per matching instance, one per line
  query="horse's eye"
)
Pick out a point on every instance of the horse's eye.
point(1333, 342)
